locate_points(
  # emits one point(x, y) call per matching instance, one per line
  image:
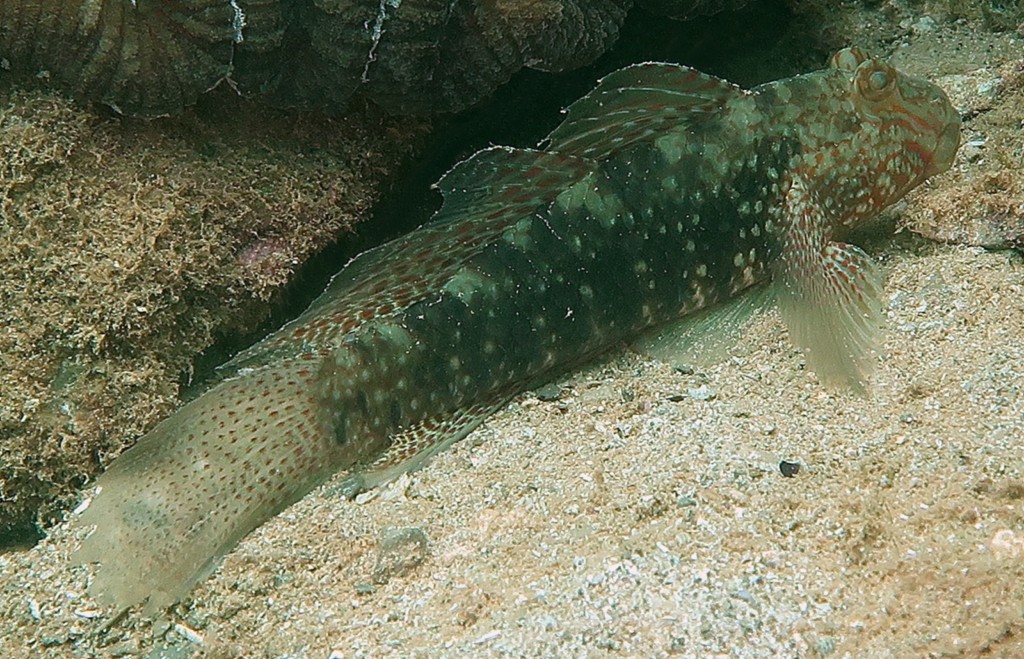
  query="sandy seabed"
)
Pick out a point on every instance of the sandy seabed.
point(629, 517)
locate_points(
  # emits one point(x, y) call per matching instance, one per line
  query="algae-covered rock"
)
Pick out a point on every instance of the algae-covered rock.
point(127, 246)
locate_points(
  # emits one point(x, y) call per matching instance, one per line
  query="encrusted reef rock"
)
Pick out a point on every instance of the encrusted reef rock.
point(129, 246)
point(153, 57)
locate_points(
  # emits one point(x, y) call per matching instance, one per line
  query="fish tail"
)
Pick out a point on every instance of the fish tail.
point(203, 478)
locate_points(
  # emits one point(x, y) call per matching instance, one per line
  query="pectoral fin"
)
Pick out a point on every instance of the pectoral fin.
point(829, 294)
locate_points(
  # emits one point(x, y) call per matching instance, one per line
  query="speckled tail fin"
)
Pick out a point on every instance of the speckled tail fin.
point(829, 294)
point(637, 103)
point(704, 338)
point(203, 478)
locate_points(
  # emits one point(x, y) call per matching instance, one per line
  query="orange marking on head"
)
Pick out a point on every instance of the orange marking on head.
point(911, 121)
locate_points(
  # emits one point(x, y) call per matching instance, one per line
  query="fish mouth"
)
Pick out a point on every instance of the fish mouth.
point(946, 146)
point(946, 122)
point(936, 122)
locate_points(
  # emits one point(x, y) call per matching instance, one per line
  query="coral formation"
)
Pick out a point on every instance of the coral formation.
point(146, 57)
point(153, 57)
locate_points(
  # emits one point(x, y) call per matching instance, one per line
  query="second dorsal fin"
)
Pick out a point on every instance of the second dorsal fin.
point(635, 103)
point(501, 184)
point(483, 196)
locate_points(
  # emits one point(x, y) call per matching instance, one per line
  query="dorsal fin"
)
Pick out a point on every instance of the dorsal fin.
point(636, 102)
point(513, 181)
point(483, 196)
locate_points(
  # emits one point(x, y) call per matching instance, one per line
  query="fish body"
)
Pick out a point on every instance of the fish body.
point(663, 193)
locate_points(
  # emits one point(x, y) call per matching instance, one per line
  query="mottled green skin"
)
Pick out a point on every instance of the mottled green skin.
point(663, 192)
point(615, 253)
point(658, 227)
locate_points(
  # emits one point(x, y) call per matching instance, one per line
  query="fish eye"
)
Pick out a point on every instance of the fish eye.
point(875, 81)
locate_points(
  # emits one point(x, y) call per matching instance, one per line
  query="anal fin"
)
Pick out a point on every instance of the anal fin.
point(413, 447)
point(704, 338)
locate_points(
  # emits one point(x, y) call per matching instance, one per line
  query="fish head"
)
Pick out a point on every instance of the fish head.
point(906, 129)
point(915, 111)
